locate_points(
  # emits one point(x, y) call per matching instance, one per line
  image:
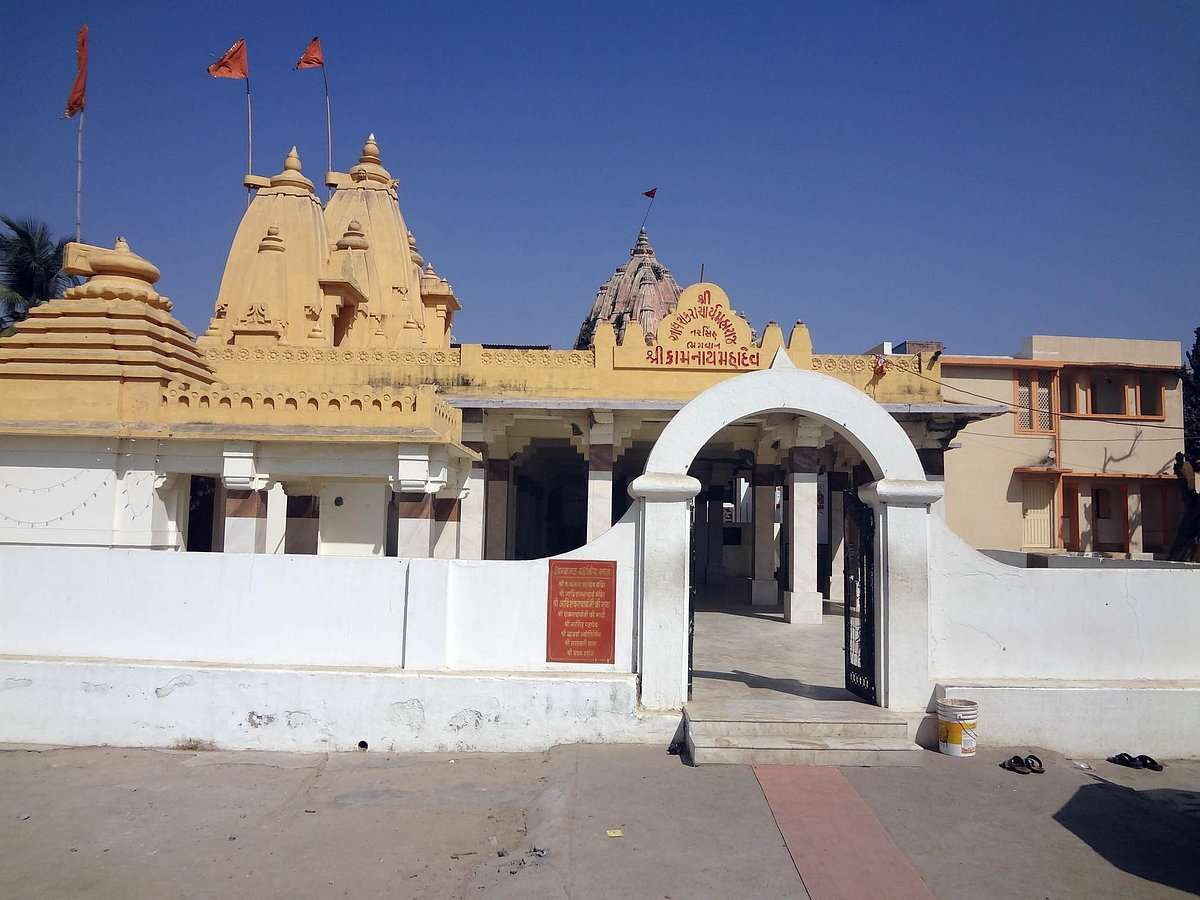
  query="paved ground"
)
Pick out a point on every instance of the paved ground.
point(103, 822)
point(748, 664)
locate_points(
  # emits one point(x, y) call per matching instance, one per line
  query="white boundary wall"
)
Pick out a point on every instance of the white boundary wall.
point(140, 647)
point(1087, 662)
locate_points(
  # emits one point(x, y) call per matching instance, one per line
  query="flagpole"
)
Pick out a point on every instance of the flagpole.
point(249, 141)
point(649, 206)
point(328, 127)
point(78, 173)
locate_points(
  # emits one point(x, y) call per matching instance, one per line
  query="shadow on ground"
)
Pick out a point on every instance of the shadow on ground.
point(1153, 834)
point(781, 685)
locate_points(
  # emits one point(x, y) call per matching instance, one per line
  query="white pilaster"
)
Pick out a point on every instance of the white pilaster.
point(471, 511)
point(663, 592)
point(276, 519)
point(902, 589)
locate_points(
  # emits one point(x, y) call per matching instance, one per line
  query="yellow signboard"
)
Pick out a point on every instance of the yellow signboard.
point(704, 333)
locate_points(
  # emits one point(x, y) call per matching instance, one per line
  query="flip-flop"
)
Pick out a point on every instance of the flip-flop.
point(1015, 764)
point(1034, 765)
point(1150, 763)
point(1124, 759)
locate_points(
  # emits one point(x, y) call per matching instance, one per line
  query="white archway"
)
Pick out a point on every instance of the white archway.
point(867, 425)
point(901, 497)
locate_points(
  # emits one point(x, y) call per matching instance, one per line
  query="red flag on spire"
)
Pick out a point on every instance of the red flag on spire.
point(77, 99)
point(312, 57)
point(234, 64)
point(650, 193)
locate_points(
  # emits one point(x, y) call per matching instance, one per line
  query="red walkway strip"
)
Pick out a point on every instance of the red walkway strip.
point(839, 846)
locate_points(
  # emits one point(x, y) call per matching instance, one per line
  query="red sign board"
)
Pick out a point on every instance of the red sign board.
point(581, 611)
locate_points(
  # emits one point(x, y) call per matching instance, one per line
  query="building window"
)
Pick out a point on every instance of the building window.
point(1034, 409)
point(1149, 396)
point(1102, 497)
point(1106, 395)
point(1067, 392)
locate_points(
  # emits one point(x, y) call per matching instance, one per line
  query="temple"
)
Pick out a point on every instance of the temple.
point(327, 410)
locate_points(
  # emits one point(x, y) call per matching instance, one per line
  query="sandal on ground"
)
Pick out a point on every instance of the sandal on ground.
point(1015, 764)
point(1124, 759)
point(1150, 763)
point(1034, 765)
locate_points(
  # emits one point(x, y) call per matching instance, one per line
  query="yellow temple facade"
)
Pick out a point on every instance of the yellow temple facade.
point(327, 408)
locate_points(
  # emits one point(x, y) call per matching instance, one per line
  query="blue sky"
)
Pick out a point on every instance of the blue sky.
point(970, 172)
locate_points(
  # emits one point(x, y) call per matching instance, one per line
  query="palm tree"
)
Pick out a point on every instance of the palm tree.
point(30, 269)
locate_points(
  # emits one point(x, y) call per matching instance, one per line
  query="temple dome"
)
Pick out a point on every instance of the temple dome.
point(642, 290)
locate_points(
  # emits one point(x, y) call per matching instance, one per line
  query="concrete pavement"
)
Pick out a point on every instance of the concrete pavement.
point(107, 822)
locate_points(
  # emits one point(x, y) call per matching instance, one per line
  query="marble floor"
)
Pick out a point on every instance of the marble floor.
point(750, 665)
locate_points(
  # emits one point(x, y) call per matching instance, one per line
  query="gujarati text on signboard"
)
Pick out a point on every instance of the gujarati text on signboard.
point(581, 611)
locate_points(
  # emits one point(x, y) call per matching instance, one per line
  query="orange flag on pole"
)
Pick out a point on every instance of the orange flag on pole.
point(234, 64)
point(312, 57)
point(77, 99)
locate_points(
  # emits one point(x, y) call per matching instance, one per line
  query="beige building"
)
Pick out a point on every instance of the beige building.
point(1082, 459)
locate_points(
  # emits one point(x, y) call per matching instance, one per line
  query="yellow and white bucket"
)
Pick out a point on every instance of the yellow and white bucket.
point(957, 721)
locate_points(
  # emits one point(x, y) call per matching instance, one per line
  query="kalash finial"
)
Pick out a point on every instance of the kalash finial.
point(370, 150)
point(291, 174)
point(369, 167)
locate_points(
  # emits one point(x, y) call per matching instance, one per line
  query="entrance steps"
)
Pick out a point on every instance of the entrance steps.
point(874, 737)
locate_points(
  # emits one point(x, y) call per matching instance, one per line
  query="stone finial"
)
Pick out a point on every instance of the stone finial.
point(271, 240)
point(291, 174)
point(413, 251)
point(354, 238)
point(642, 246)
point(370, 165)
point(116, 274)
point(370, 150)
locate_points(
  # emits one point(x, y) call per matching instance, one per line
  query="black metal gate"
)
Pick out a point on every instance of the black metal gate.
point(860, 597)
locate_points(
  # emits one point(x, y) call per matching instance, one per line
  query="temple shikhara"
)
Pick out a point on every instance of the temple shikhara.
point(676, 455)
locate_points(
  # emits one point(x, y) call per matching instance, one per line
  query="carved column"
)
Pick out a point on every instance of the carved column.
point(600, 474)
point(471, 523)
point(764, 590)
point(801, 599)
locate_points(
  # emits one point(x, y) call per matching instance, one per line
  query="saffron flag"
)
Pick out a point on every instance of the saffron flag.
point(234, 64)
point(650, 193)
point(77, 99)
point(312, 57)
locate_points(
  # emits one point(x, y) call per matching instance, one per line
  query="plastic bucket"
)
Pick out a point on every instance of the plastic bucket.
point(957, 720)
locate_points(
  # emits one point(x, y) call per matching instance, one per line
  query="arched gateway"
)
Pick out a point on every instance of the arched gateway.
point(900, 497)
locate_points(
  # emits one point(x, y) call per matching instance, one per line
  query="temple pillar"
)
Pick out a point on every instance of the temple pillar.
point(446, 516)
point(414, 525)
point(801, 599)
point(600, 474)
point(245, 521)
point(764, 590)
point(498, 475)
point(276, 525)
point(472, 524)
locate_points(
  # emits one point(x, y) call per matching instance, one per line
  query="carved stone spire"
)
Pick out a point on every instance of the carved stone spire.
point(642, 290)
